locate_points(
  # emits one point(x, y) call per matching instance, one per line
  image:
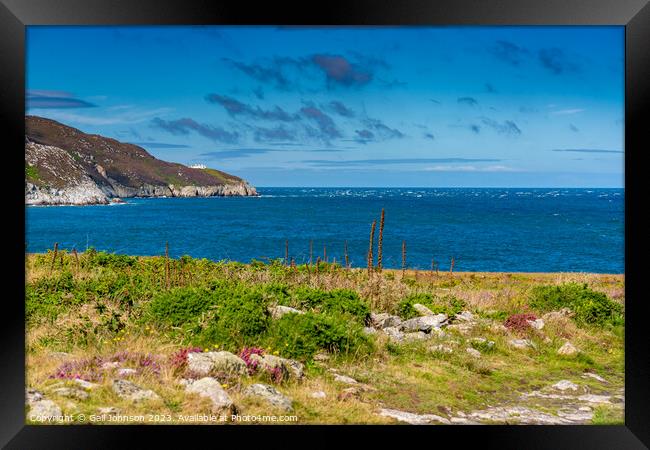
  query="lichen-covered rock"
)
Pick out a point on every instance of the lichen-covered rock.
point(567, 349)
point(384, 320)
point(288, 367)
point(75, 393)
point(411, 418)
point(345, 379)
point(131, 391)
point(211, 388)
point(422, 310)
point(394, 334)
point(270, 395)
point(564, 385)
point(425, 323)
point(43, 410)
point(223, 363)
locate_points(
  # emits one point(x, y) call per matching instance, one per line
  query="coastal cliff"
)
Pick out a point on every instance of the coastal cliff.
point(64, 166)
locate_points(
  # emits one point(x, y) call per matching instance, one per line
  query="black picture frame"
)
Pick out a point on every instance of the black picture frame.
point(15, 15)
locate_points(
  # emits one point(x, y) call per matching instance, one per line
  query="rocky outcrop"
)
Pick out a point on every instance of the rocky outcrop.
point(65, 166)
point(211, 389)
point(270, 395)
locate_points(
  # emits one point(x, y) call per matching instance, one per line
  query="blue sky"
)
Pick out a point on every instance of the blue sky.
point(373, 106)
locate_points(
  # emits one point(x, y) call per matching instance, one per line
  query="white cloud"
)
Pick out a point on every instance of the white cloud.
point(469, 168)
point(126, 117)
point(567, 111)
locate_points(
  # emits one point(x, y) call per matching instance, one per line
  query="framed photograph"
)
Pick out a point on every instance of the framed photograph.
point(348, 218)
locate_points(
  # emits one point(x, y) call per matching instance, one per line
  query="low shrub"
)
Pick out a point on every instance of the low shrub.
point(519, 322)
point(180, 305)
point(590, 307)
point(300, 336)
point(112, 260)
point(337, 301)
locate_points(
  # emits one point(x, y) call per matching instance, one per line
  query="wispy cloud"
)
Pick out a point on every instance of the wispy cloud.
point(127, 116)
point(507, 127)
point(469, 168)
point(185, 125)
point(509, 52)
point(556, 61)
point(46, 99)
point(573, 128)
point(340, 109)
point(239, 153)
point(563, 112)
point(160, 145)
point(235, 108)
point(326, 126)
point(470, 101)
point(393, 161)
point(287, 73)
point(585, 150)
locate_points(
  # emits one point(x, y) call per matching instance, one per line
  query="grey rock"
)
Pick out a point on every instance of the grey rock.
point(211, 388)
point(564, 385)
point(369, 330)
point(270, 395)
point(75, 393)
point(394, 334)
point(473, 352)
point(44, 409)
point(465, 316)
point(594, 376)
point(422, 310)
point(413, 419)
point(384, 320)
point(318, 394)
point(345, 379)
point(109, 410)
point(289, 367)
point(126, 372)
point(567, 349)
point(131, 391)
point(425, 323)
point(217, 362)
point(521, 343)
point(592, 398)
point(280, 310)
point(537, 324)
point(85, 384)
point(32, 396)
point(416, 336)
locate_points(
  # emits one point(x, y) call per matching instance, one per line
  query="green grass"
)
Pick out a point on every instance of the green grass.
point(101, 303)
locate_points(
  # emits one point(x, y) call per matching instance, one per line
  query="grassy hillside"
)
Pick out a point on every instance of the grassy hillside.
point(91, 310)
point(128, 164)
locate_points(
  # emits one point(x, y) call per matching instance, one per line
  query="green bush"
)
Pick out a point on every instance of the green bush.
point(300, 336)
point(337, 301)
point(241, 319)
point(449, 305)
point(180, 305)
point(113, 260)
point(590, 307)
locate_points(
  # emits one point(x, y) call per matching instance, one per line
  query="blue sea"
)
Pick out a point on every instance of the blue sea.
point(514, 230)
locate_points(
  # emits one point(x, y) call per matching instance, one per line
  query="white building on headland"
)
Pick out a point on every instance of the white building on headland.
point(198, 166)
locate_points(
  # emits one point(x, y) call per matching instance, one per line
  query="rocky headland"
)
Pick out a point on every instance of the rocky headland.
point(65, 166)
